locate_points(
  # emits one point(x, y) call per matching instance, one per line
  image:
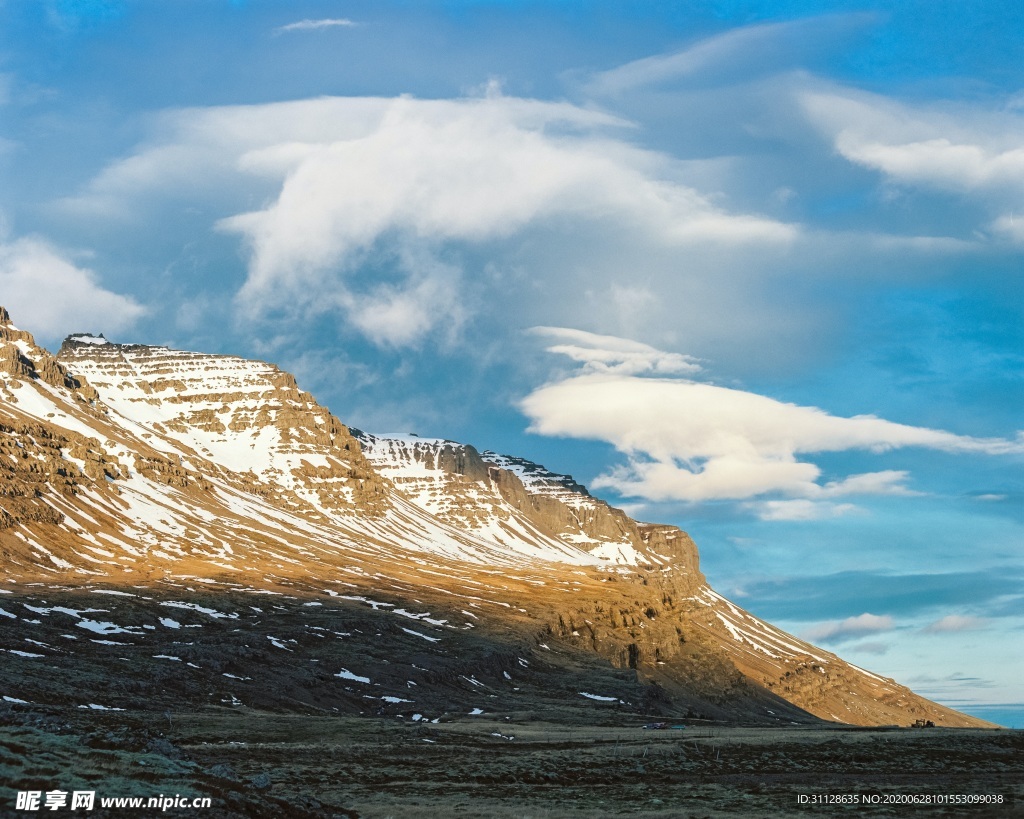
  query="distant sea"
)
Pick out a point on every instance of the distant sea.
point(1009, 715)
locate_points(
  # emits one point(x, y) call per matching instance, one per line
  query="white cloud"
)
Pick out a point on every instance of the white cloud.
point(317, 25)
point(346, 180)
point(692, 441)
point(430, 170)
point(401, 315)
point(936, 136)
point(954, 623)
point(326, 193)
point(886, 482)
point(51, 295)
point(800, 509)
point(937, 162)
point(964, 149)
point(850, 628)
point(1009, 226)
point(196, 153)
point(758, 48)
point(603, 353)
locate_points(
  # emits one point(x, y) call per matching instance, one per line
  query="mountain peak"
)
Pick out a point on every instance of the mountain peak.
point(85, 338)
point(9, 332)
point(23, 359)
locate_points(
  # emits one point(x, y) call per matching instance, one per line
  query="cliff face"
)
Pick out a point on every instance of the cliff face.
point(144, 466)
point(510, 498)
point(22, 358)
point(246, 418)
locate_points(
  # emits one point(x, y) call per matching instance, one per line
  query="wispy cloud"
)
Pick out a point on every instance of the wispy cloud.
point(317, 25)
point(1009, 226)
point(851, 628)
point(966, 149)
point(953, 687)
point(604, 353)
point(876, 647)
point(800, 509)
point(755, 49)
point(956, 622)
point(355, 186)
point(939, 162)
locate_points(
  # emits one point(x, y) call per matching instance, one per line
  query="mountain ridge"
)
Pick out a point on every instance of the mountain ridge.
point(141, 465)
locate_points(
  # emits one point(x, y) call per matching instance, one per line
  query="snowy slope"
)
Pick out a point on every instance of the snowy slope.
point(505, 499)
point(227, 417)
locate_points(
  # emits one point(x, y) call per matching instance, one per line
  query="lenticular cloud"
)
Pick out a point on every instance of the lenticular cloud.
point(692, 441)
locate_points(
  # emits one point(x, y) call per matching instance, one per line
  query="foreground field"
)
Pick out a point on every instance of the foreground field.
point(275, 705)
point(255, 763)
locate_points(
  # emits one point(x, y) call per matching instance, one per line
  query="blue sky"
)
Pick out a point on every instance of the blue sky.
point(753, 268)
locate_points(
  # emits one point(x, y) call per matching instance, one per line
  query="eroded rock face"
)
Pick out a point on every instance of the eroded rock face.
point(22, 358)
point(480, 491)
point(247, 417)
point(38, 460)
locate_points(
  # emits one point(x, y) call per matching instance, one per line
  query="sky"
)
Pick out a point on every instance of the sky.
point(751, 268)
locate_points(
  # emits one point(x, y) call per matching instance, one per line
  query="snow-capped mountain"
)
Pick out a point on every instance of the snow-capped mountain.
point(135, 465)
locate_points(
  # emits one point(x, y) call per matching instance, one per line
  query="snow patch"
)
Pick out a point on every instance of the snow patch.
point(598, 697)
point(345, 674)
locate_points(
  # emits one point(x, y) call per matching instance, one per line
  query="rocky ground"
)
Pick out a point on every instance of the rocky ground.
point(259, 763)
point(276, 704)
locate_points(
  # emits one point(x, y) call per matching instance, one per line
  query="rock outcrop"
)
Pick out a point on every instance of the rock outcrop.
point(22, 358)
